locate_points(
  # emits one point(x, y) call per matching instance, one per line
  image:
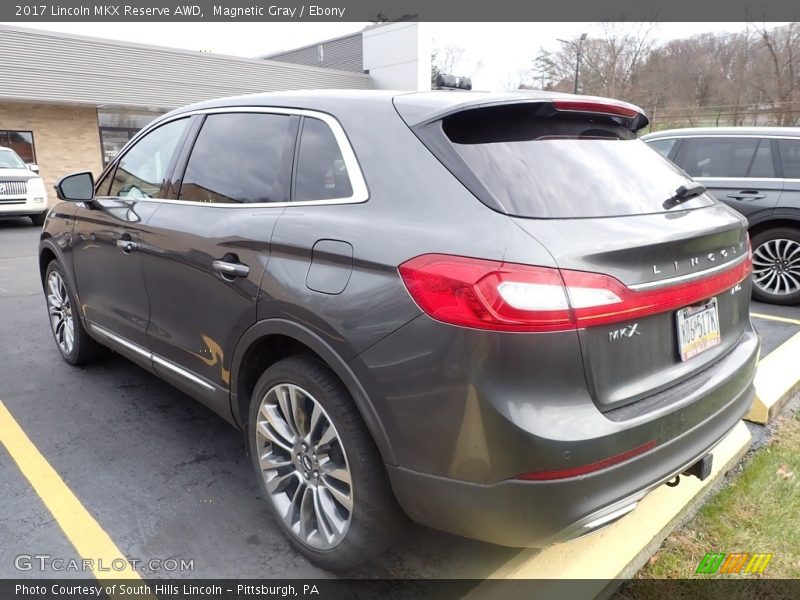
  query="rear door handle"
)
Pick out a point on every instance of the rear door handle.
point(747, 195)
point(231, 269)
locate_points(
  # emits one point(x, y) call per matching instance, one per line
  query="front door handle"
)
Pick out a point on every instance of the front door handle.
point(127, 246)
point(747, 195)
point(231, 269)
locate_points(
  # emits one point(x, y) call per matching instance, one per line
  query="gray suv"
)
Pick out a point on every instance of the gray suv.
point(755, 170)
point(503, 316)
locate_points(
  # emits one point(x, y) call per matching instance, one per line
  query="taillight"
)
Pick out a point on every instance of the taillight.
point(499, 296)
point(605, 107)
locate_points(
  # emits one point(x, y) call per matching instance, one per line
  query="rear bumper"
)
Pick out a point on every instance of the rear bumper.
point(464, 446)
point(538, 513)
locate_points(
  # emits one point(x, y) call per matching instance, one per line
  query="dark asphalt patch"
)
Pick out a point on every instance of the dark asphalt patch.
point(774, 333)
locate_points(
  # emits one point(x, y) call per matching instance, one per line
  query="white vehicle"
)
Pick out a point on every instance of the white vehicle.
point(22, 192)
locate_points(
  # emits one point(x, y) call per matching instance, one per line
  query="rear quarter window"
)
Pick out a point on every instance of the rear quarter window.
point(321, 173)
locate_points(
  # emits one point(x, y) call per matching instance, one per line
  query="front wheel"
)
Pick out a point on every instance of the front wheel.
point(38, 219)
point(72, 341)
point(318, 466)
point(776, 266)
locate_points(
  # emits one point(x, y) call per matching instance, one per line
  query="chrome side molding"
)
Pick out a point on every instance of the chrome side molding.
point(144, 353)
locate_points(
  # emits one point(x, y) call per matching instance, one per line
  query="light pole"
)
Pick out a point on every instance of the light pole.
point(578, 48)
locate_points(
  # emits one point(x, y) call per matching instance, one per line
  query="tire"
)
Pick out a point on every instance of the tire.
point(776, 266)
point(332, 537)
point(72, 341)
point(38, 220)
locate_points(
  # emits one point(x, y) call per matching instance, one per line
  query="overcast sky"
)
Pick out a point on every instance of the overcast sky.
point(503, 48)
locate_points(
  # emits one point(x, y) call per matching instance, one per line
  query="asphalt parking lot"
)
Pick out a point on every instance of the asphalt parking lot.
point(161, 474)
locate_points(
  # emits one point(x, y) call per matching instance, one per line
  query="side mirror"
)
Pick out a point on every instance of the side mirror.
point(34, 168)
point(78, 187)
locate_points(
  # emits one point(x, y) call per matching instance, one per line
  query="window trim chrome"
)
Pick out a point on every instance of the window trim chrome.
point(357, 182)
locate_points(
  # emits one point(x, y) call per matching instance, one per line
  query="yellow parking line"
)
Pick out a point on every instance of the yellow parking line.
point(82, 530)
point(774, 318)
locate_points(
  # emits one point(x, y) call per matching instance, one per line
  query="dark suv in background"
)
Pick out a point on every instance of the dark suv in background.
point(755, 170)
point(503, 314)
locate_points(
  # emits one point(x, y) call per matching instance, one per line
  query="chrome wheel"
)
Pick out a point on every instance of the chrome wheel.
point(776, 267)
point(60, 311)
point(304, 466)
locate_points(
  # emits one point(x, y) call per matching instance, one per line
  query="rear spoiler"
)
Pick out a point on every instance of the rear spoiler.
point(628, 115)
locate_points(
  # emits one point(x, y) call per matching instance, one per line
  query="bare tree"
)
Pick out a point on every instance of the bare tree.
point(610, 63)
point(780, 49)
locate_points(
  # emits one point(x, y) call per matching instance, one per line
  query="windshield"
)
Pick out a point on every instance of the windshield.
point(560, 166)
point(10, 160)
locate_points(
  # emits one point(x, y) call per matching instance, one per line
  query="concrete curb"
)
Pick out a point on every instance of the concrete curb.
point(777, 380)
point(621, 549)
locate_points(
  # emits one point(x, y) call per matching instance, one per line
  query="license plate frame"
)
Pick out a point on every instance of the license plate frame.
point(688, 320)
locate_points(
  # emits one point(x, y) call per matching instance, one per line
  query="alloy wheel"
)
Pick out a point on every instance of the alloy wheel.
point(60, 311)
point(776, 267)
point(304, 466)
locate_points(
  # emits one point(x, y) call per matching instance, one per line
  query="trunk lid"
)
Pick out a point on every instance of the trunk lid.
point(634, 359)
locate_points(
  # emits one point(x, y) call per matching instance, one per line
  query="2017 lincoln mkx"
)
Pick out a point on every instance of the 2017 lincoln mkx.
point(499, 315)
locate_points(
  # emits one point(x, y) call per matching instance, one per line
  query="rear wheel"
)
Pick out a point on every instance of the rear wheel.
point(72, 341)
point(318, 466)
point(776, 266)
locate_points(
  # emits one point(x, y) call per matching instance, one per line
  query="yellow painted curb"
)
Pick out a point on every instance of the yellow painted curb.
point(620, 549)
point(777, 380)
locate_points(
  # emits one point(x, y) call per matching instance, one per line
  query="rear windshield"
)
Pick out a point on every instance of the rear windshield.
point(561, 166)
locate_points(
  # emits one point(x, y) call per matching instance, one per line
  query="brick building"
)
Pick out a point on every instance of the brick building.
point(70, 103)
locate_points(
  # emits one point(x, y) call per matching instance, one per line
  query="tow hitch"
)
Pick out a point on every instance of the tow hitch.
point(702, 468)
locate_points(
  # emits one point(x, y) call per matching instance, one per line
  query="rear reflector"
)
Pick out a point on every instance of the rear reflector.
point(605, 107)
point(498, 296)
point(584, 469)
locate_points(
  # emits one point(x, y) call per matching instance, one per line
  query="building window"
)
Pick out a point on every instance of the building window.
point(117, 126)
point(20, 142)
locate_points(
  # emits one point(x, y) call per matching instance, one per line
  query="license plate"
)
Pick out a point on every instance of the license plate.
point(698, 329)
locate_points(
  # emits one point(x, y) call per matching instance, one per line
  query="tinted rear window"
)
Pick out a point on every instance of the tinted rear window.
point(557, 166)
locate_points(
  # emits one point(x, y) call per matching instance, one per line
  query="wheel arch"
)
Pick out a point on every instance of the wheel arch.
point(46, 256)
point(270, 340)
point(774, 221)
